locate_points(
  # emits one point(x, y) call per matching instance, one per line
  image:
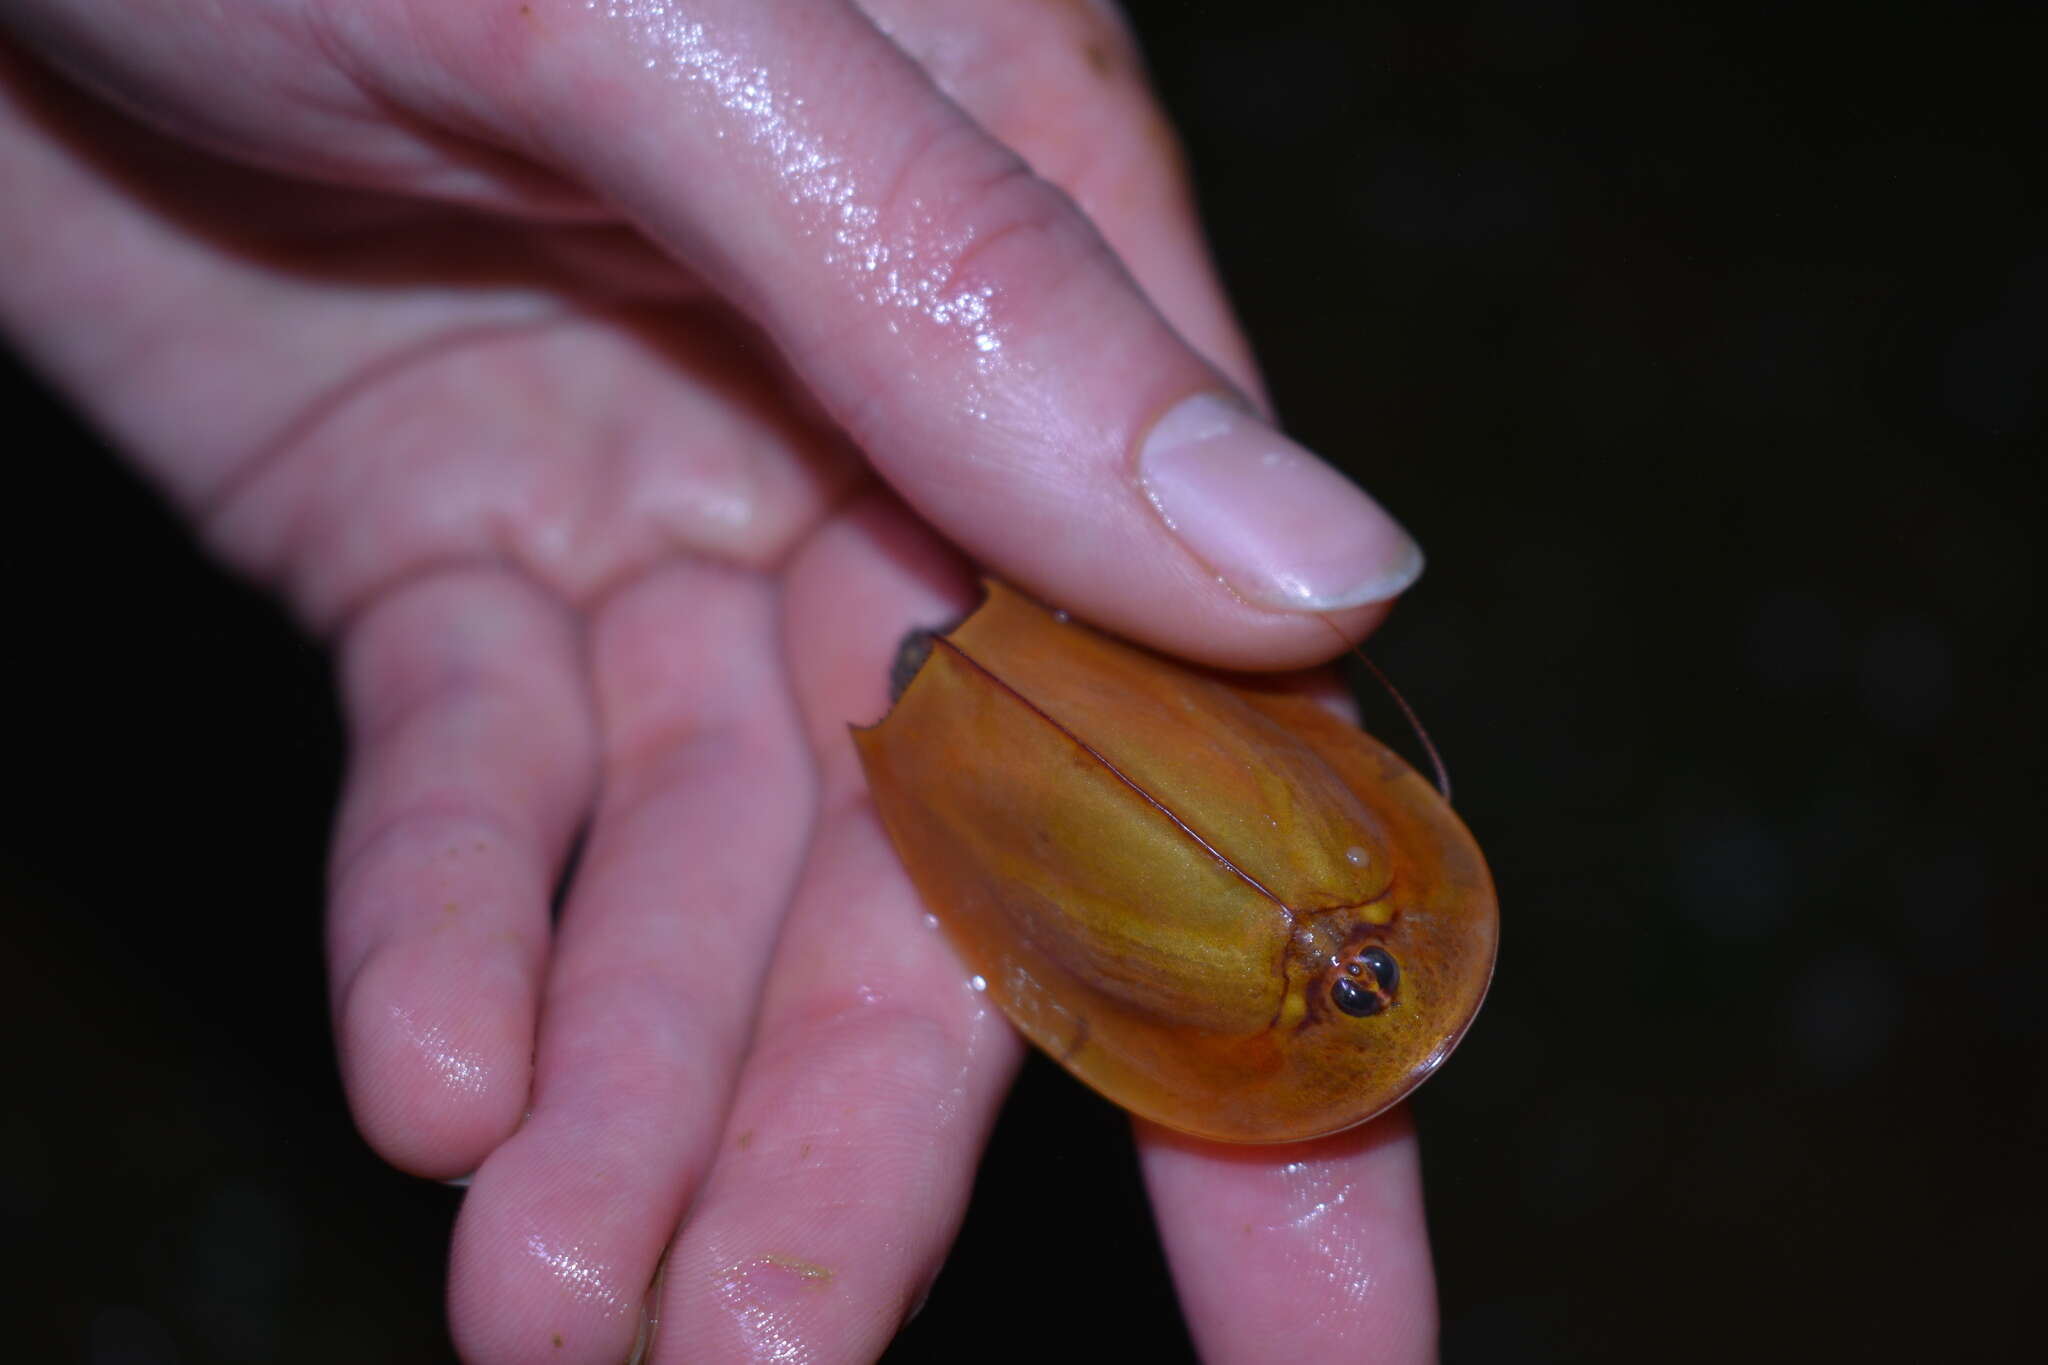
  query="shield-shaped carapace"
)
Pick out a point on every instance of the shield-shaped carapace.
point(1211, 900)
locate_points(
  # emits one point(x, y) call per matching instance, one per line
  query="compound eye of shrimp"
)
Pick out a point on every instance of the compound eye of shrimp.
point(1365, 985)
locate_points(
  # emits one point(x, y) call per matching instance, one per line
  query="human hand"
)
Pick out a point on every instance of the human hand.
point(528, 390)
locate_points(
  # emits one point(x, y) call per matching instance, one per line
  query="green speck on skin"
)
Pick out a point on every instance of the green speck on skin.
point(819, 1276)
point(803, 1151)
point(557, 1338)
point(814, 1276)
point(744, 1140)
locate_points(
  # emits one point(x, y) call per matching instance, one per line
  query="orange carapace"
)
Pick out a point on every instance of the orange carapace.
point(1210, 899)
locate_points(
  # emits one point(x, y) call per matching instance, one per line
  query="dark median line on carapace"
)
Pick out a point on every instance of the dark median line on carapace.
point(1085, 747)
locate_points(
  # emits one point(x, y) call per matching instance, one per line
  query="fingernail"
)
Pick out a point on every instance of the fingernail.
point(1268, 516)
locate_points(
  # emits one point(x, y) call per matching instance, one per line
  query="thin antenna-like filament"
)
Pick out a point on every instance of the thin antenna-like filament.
point(1436, 760)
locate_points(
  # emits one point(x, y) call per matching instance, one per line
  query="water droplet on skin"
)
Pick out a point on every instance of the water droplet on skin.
point(576, 1270)
point(977, 983)
point(1357, 856)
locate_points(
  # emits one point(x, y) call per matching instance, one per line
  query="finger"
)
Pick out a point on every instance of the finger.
point(1314, 1251)
point(471, 761)
point(1064, 86)
point(956, 313)
point(677, 898)
point(877, 1069)
point(295, 105)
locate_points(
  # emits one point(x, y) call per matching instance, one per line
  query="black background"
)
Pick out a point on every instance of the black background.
point(1703, 351)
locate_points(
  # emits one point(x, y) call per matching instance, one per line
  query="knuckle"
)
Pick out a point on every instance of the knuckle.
point(973, 219)
point(971, 250)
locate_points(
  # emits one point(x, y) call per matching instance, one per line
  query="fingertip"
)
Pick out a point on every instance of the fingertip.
point(537, 1271)
point(1276, 523)
point(1227, 543)
point(436, 1055)
point(1200, 619)
point(1308, 1250)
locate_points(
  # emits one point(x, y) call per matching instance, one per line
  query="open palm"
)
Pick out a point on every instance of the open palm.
point(546, 361)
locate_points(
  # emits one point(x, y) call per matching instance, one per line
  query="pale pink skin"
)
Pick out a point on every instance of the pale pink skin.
point(559, 473)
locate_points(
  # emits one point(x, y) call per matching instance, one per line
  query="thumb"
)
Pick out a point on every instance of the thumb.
point(955, 312)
